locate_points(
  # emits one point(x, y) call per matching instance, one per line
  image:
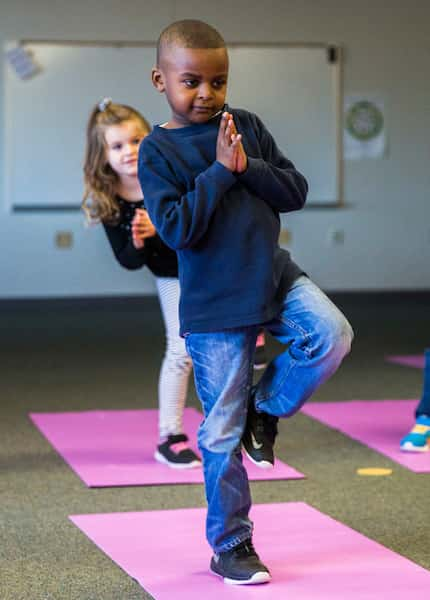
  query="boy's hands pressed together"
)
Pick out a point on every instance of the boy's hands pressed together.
point(241, 158)
point(229, 148)
point(141, 228)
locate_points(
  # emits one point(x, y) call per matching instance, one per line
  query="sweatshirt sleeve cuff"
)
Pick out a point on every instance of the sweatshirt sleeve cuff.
point(223, 176)
point(253, 170)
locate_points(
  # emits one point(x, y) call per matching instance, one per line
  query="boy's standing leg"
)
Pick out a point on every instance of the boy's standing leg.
point(318, 337)
point(223, 373)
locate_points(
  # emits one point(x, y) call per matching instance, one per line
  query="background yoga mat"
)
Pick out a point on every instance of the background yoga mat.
point(311, 556)
point(116, 448)
point(407, 360)
point(379, 424)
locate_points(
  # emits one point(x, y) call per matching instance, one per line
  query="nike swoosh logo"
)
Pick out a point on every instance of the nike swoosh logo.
point(257, 445)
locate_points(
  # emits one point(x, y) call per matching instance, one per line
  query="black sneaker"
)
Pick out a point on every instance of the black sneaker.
point(240, 565)
point(176, 453)
point(260, 357)
point(259, 437)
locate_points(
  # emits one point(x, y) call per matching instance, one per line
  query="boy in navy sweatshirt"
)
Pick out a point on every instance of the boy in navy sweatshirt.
point(214, 183)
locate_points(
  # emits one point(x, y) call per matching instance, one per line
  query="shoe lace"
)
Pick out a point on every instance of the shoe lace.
point(266, 425)
point(179, 447)
point(246, 548)
point(177, 443)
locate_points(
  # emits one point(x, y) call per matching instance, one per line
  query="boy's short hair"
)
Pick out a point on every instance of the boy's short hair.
point(189, 33)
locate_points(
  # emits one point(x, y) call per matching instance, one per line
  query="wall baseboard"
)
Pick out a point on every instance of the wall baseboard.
point(374, 298)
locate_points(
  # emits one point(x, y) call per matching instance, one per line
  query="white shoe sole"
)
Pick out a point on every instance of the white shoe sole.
point(161, 459)
point(409, 447)
point(260, 577)
point(264, 464)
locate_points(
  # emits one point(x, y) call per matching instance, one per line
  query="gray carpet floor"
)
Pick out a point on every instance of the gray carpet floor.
point(82, 355)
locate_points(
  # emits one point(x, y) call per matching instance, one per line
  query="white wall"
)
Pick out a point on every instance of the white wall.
point(386, 221)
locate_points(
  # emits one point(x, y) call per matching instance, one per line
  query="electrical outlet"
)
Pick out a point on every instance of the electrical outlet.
point(64, 239)
point(336, 237)
point(284, 237)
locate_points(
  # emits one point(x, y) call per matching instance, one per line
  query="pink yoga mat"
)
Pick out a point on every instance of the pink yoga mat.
point(311, 556)
point(378, 424)
point(109, 448)
point(407, 360)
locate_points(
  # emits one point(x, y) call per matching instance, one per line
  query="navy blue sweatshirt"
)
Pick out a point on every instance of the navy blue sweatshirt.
point(224, 226)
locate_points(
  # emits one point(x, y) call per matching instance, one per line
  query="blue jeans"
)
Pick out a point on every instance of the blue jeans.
point(318, 337)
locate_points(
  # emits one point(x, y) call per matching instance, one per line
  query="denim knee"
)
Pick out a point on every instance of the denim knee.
point(336, 336)
point(220, 436)
point(344, 335)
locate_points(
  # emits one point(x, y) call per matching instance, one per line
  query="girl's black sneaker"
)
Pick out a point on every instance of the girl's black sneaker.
point(176, 453)
point(260, 356)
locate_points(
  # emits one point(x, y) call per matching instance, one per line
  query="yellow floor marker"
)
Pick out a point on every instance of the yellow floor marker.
point(374, 471)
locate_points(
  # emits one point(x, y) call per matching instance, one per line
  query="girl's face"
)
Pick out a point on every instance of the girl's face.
point(122, 147)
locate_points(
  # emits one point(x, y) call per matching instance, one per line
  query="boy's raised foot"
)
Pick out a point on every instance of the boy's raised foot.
point(418, 439)
point(259, 437)
point(176, 453)
point(240, 565)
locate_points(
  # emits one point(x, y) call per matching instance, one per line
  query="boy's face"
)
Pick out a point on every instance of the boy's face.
point(194, 81)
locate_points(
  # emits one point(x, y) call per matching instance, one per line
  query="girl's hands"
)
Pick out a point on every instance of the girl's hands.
point(141, 228)
point(229, 147)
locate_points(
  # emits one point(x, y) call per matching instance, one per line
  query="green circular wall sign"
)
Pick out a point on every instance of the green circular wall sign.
point(364, 120)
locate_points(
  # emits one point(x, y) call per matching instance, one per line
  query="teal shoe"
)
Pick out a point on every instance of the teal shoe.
point(418, 438)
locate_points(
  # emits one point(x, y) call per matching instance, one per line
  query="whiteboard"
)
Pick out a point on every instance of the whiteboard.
point(294, 90)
